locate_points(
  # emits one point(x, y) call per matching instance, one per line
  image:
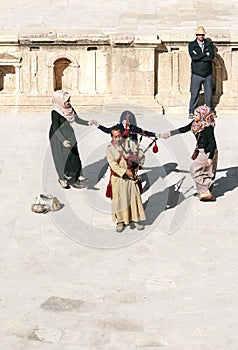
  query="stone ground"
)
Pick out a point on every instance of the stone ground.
point(155, 17)
point(68, 281)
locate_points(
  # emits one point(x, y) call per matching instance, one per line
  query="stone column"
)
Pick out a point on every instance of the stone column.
point(75, 80)
point(34, 73)
point(17, 71)
point(91, 69)
point(50, 77)
point(175, 72)
point(234, 71)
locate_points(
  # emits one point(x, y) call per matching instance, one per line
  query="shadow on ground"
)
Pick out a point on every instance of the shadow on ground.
point(226, 183)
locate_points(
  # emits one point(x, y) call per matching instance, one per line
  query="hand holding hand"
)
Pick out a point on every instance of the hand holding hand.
point(165, 135)
point(93, 122)
point(66, 144)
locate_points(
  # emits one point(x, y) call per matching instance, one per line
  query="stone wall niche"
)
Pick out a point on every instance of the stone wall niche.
point(9, 73)
point(7, 78)
point(62, 74)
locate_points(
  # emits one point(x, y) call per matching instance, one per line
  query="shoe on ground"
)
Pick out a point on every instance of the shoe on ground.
point(76, 185)
point(63, 184)
point(191, 116)
point(207, 196)
point(139, 226)
point(82, 178)
point(119, 227)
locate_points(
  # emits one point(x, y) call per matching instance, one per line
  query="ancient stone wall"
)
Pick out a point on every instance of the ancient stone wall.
point(99, 69)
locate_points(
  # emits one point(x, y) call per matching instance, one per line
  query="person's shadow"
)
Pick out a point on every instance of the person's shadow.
point(169, 198)
point(226, 183)
point(154, 173)
point(94, 173)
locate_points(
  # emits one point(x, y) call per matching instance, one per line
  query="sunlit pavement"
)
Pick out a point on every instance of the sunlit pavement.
point(69, 281)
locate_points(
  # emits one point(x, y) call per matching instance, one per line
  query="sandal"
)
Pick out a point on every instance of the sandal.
point(65, 186)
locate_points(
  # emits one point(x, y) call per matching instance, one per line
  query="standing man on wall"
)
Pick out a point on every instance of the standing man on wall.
point(201, 52)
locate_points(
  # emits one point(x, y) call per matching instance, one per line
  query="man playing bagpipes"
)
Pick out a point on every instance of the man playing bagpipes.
point(125, 158)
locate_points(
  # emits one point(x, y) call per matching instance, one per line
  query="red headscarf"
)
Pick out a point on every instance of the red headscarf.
point(204, 118)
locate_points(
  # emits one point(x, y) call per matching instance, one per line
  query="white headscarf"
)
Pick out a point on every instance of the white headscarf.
point(59, 99)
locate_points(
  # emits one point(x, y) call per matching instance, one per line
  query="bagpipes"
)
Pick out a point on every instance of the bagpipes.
point(133, 160)
point(155, 148)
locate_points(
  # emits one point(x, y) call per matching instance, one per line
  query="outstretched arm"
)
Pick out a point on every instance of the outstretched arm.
point(138, 130)
point(100, 127)
point(104, 129)
point(181, 130)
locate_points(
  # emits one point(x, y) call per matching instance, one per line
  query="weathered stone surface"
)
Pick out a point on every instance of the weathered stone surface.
point(95, 66)
point(58, 304)
point(46, 334)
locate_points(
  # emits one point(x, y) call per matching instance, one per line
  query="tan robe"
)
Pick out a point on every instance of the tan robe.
point(203, 176)
point(126, 199)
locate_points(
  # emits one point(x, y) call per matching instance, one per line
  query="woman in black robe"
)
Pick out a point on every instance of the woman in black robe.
point(63, 141)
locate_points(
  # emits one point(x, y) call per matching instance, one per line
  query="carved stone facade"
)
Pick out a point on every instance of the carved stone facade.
point(98, 69)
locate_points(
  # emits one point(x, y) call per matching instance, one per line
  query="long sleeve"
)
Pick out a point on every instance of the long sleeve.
point(104, 129)
point(208, 48)
point(195, 52)
point(181, 130)
point(80, 121)
point(138, 130)
point(108, 130)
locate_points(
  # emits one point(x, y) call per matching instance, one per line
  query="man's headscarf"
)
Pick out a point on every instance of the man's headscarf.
point(206, 118)
point(59, 99)
point(129, 117)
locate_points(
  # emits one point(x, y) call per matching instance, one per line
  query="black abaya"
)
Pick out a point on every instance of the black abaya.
point(67, 161)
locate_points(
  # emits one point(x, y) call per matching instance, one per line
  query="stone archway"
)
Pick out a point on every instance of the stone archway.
point(62, 74)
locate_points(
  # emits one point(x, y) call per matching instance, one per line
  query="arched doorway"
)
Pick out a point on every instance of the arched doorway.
point(62, 74)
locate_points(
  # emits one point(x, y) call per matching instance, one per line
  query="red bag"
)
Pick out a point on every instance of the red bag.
point(109, 190)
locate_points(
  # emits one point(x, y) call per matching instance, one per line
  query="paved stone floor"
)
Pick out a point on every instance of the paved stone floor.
point(154, 17)
point(68, 281)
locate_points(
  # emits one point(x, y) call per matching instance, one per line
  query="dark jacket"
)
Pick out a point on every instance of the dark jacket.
point(134, 130)
point(201, 62)
point(206, 139)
